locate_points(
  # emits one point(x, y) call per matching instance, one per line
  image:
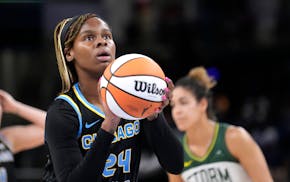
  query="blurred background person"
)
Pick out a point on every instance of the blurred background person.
point(212, 150)
point(17, 138)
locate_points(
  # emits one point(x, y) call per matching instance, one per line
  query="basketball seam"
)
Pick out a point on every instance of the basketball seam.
point(121, 66)
point(132, 74)
point(115, 100)
point(138, 75)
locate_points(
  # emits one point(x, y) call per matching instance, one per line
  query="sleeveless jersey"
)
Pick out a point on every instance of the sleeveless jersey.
point(6, 162)
point(218, 164)
point(123, 161)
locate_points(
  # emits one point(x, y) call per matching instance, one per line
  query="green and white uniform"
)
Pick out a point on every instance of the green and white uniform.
point(217, 165)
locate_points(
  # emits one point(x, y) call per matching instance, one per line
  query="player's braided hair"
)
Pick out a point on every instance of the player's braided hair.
point(64, 35)
point(199, 83)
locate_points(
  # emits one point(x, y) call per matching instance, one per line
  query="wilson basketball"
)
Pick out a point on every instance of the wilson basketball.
point(133, 86)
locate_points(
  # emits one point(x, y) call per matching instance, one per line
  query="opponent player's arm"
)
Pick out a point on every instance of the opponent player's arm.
point(61, 130)
point(165, 144)
point(32, 114)
point(23, 137)
point(249, 154)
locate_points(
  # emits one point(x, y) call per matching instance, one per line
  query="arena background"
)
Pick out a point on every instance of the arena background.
point(245, 44)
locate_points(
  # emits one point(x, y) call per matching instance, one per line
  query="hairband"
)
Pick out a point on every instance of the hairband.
point(66, 28)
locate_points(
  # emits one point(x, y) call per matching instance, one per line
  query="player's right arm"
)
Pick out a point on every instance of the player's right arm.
point(61, 136)
point(249, 154)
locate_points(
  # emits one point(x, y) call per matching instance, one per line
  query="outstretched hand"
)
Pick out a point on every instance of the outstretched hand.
point(8, 102)
point(165, 99)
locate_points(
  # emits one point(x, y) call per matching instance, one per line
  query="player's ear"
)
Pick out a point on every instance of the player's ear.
point(69, 55)
point(204, 104)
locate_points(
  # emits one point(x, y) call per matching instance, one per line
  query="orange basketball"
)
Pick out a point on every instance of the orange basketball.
point(133, 86)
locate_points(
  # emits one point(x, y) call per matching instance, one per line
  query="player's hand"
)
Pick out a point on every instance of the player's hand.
point(108, 113)
point(165, 99)
point(9, 104)
point(111, 121)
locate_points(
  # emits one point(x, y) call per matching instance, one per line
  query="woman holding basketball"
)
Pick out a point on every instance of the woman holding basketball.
point(86, 141)
point(212, 151)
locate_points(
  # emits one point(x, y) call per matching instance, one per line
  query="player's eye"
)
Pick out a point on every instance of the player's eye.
point(107, 36)
point(89, 37)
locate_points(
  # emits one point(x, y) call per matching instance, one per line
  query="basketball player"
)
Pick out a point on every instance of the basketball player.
point(17, 138)
point(213, 151)
point(86, 141)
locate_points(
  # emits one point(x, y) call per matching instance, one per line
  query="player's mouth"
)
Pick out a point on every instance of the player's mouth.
point(103, 56)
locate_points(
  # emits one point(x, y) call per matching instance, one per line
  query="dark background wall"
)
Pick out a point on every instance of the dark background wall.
point(245, 44)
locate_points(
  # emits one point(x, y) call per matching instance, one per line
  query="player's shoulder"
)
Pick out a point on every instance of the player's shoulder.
point(61, 108)
point(232, 132)
point(62, 101)
point(58, 104)
point(238, 138)
point(61, 117)
point(236, 132)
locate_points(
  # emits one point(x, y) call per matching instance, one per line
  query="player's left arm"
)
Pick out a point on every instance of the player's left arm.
point(174, 178)
point(160, 136)
point(164, 143)
point(249, 154)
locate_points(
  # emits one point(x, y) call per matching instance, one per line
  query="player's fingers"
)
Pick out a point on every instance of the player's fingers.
point(169, 82)
point(170, 87)
point(165, 101)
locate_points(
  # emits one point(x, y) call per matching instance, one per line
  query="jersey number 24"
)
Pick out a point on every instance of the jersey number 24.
point(113, 162)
